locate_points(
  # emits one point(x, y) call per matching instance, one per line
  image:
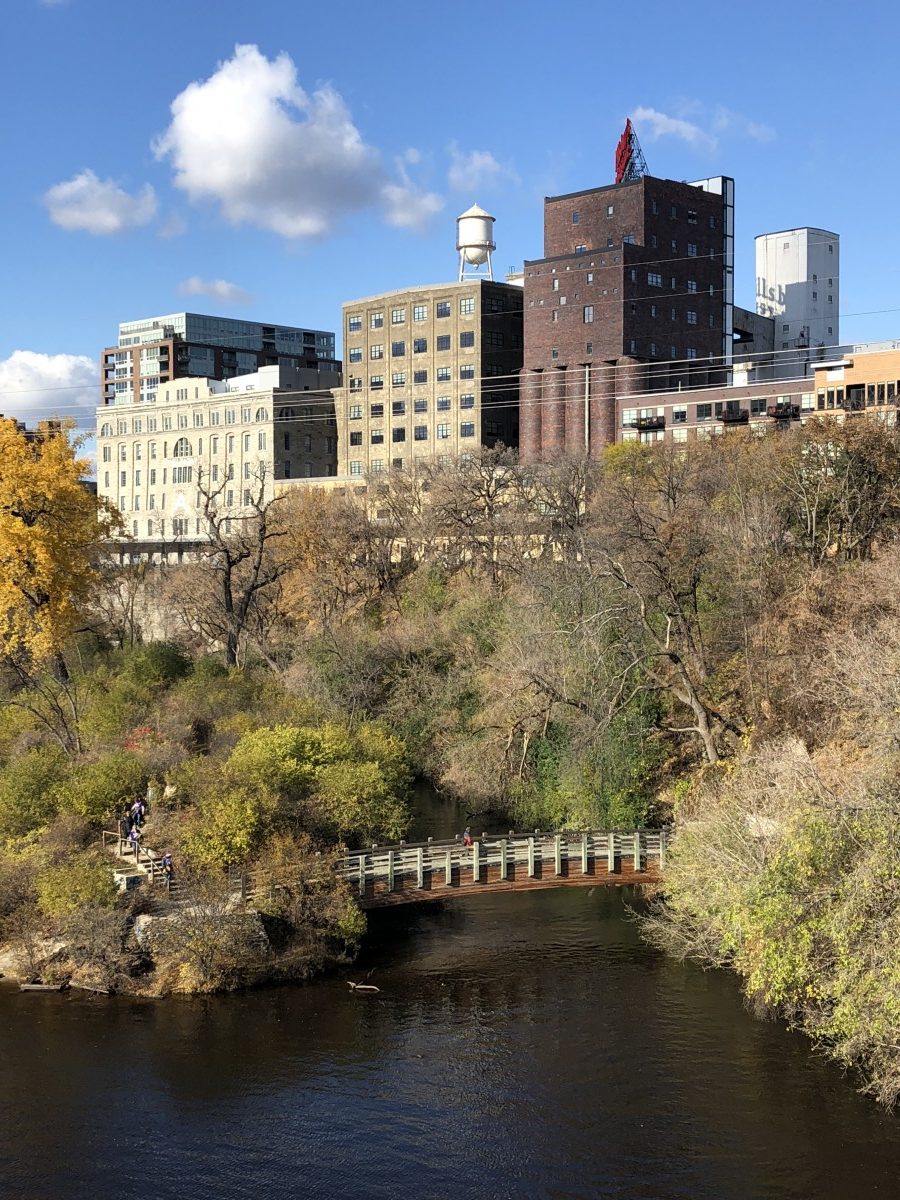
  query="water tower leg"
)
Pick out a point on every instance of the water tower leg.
point(490, 267)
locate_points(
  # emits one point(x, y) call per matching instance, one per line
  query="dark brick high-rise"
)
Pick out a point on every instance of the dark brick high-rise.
point(633, 296)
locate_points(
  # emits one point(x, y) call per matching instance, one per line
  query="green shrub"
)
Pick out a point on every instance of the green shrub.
point(29, 788)
point(65, 888)
point(101, 789)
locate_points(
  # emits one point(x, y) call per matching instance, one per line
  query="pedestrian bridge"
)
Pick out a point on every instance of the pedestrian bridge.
point(413, 872)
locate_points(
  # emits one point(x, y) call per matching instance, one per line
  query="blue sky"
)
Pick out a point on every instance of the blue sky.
point(328, 156)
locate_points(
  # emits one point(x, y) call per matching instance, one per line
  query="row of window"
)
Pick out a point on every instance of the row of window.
point(184, 449)
point(398, 407)
point(398, 378)
point(420, 433)
point(420, 345)
point(442, 308)
point(215, 418)
point(654, 208)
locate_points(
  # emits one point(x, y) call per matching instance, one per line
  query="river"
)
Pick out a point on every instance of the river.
point(522, 1045)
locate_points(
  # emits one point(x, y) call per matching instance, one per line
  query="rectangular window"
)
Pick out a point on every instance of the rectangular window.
point(704, 412)
point(467, 429)
point(356, 437)
point(654, 279)
point(376, 352)
point(467, 371)
point(356, 467)
point(398, 408)
point(588, 314)
point(692, 285)
point(443, 342)
point(691, 216)
point(443, 432)
point(690, 352)
point(420, 376)
point(420, 345)
point(376, 382)
point(398, 316)
point(355, 354)
point(420, 312)
point(376, 410)
point(467, 401)
point(376, 320)
point(398, 435)
point(467, 339)
point(442, 308)
point(576, 216)
point(692, 249)
point(398, 379)
point(354, 324)
point(443, 374)
point(398, 349)
point(691, 318)
point(420, 433)
point(355, 412)
point(443, 403)
point(467, 306)
point(555, 287)
point(377, 438)
point(420, 406)
point(356, 383)
point(581, 249)
point(679, 414)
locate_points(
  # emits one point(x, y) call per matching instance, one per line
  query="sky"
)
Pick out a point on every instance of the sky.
point(271, 160)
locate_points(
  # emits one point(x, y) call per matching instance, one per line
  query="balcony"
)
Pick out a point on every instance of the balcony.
point(784, 412)
point(735, 416)
point(648, 423)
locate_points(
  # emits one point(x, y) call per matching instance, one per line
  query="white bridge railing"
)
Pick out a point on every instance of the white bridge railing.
point(493, 858)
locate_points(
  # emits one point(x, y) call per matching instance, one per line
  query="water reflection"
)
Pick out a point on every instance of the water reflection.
point(521, 1046)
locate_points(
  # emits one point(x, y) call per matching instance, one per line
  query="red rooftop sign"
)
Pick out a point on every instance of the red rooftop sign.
point(624, 152)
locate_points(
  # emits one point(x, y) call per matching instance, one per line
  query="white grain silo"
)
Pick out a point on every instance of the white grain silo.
point(475, 242)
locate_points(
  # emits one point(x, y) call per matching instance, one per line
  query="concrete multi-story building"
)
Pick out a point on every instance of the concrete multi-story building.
point(635, 292)
point(154, 350)
point(155, 462)
point(431, 372)
point(798, 287)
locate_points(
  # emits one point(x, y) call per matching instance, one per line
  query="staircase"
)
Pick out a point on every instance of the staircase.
point(140, 866)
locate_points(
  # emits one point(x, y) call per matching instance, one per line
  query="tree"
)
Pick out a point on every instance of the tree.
point(239, 566)
point(51, 532)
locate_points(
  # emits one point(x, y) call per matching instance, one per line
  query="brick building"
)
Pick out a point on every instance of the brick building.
point(634, 294)
point(431, 372)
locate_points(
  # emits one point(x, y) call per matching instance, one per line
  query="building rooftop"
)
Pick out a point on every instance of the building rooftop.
point(427, 287)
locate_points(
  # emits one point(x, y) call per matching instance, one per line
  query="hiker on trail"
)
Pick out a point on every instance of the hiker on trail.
point(137, 812)
point(167, 867)
point(467, 837)
point(135, 838)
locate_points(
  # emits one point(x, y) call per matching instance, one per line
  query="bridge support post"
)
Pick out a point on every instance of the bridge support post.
point(420, 868)
point(637, 853)
point(362, 875)
point(390, 870)
point(585, 864)
point(448, 869)
point(503, 860)
point(611, 852)
point(476, 862)
point(531, 858)
point(557, 855)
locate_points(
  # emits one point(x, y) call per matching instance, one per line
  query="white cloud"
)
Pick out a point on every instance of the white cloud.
point(37, 386)
point(217, 289)
point(98, 206)
point(476, 170)
point(268, 153)
point(702, 134)
point(407, 208)
point(653, 124)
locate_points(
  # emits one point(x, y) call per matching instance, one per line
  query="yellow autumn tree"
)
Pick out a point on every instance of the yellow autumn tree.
point(51, 528)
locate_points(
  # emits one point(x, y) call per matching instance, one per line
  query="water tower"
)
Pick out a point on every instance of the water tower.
point(475, 241)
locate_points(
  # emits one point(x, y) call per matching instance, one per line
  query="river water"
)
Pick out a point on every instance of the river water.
point(522, 1045)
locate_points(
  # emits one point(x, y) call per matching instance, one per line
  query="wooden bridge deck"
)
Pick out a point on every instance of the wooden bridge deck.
point(411, 874)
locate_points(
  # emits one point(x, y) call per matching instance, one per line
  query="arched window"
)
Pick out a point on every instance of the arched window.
point(286, 414)
point(106, 430)
point(262, 414)
point(182, 449)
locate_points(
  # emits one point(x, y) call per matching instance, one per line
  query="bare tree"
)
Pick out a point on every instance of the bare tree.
point(239, 565)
